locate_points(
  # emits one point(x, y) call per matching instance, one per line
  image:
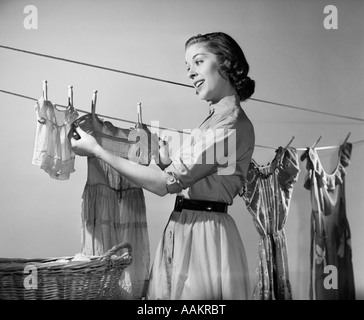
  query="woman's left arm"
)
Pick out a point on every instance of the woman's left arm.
point(149, 177)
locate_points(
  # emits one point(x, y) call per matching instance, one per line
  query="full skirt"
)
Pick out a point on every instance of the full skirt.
point(200, 257)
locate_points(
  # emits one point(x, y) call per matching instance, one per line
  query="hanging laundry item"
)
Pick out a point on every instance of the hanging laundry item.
point(52, 148)
point(331, 252)
point(113, 208)
point(147, 144)
point(267, 195)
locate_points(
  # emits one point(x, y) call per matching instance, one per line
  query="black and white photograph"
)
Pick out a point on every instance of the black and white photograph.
point(197, 151)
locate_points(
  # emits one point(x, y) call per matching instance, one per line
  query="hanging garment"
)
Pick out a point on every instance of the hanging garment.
point(52, 148)
point(113, 208)
point(330, 231)
point(267, 195)
point(201, 255)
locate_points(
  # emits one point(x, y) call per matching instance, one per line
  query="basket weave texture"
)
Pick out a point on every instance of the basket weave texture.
point(97, 279)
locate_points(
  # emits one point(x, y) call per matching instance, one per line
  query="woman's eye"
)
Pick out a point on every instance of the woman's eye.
point(198, 62)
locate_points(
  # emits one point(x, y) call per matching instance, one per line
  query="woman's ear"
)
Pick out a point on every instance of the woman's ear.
point(224, 69)
point(227, 63)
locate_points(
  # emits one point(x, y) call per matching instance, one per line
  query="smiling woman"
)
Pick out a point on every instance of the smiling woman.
point(201, 254)
point(225, 56)
point(295, 56)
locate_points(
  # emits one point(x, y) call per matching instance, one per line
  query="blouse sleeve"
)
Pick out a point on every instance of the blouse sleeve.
point(202, 154)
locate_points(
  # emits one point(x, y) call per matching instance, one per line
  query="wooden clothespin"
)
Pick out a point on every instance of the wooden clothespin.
point(93, 104)
point(315, 144)
point(45, 90)
point(70, 96)
point(139, 111)
point(289, 143)
point(305, 154)
point(347, 137)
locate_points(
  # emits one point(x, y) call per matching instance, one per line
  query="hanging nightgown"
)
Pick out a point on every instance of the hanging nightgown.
point(330, 231)
point(113, 208)
point(267, 195)
point(52, 148)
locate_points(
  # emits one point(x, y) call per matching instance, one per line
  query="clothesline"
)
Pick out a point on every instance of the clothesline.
point(171, 82)
point(133, 122)
point(316, 148)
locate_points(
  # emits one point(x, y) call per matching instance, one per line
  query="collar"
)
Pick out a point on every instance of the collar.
point(228, 103)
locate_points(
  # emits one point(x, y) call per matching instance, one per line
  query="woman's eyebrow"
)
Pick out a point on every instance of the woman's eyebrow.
point(200, 53)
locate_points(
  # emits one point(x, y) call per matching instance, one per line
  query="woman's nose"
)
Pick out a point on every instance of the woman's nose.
point(192, 74)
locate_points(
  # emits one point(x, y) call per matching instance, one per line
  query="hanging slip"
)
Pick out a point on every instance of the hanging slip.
point(330, 231)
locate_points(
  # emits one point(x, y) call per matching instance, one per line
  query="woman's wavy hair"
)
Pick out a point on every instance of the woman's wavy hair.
point(231, 59)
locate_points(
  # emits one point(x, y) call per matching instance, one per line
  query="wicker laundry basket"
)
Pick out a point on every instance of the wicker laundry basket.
point(97, 279)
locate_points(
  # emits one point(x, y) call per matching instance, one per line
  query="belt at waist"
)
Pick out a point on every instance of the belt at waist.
point(199, 205)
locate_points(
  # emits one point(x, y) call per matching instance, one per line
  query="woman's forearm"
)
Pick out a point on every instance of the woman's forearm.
point(147, 177)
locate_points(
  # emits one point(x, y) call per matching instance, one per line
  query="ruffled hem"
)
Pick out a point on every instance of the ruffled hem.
point(56, 168)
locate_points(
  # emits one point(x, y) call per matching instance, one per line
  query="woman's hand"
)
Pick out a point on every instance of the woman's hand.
point(164, 159)
point(86, 145)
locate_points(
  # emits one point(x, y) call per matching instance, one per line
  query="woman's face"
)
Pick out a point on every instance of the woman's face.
point(203, 72)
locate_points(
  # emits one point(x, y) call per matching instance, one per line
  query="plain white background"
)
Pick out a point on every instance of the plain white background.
point(293, 59)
